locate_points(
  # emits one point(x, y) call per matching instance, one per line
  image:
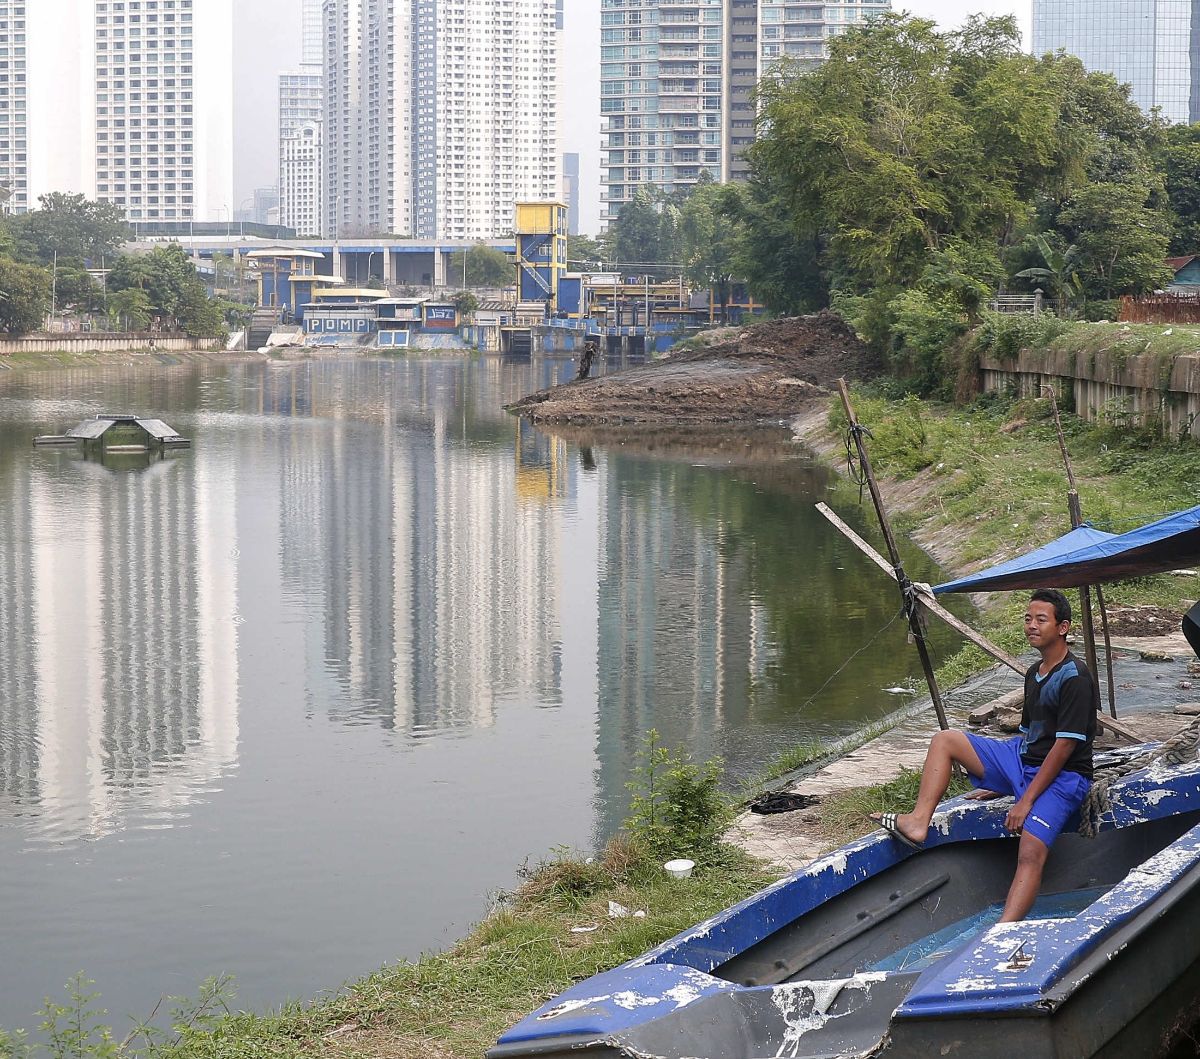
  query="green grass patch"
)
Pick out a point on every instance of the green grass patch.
point(846, 815)
point(991, 486)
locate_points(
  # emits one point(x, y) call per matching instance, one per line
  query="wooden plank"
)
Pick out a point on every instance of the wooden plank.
point(930, 603)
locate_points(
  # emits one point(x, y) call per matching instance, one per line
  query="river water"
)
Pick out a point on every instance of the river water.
point(290, 704)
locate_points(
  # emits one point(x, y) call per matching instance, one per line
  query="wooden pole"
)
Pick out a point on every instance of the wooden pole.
point(1085, 593)
point(930, 603)
point(906, 589)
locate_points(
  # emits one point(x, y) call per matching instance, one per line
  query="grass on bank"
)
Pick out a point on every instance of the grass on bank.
point(987, 483)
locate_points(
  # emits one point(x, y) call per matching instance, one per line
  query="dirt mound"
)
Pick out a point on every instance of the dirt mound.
point(1147, 620)
point(818, 348)
point(764, 373)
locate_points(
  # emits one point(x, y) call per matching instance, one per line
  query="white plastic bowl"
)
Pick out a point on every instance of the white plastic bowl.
point(679, 869)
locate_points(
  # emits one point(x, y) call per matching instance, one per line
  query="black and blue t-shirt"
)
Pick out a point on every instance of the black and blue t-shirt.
point(1060, 705)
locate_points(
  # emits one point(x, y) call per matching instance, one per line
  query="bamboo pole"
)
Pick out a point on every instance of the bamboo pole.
point(1085, 593)
point(910, 605)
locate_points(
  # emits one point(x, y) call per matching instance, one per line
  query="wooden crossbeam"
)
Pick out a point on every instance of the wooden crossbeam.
point(930, 603)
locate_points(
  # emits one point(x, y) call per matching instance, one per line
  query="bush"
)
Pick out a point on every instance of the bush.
point(1004, 335)
point(678, 809)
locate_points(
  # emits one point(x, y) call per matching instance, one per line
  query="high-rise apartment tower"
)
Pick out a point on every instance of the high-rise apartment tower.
point(301, 133)
point(678, 76)
point(1153, 45)
point(439, 116)
point(128, 101)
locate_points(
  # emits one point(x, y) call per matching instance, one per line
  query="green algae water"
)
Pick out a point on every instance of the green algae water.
point(292, 703)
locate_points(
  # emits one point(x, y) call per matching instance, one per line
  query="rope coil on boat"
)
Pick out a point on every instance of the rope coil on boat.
point(1176, 750)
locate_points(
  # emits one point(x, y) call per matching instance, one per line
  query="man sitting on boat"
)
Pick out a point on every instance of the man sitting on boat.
point(1047, 768)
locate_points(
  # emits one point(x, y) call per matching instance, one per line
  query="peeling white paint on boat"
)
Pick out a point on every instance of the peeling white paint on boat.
point(565, 1007)
point(800, 1017)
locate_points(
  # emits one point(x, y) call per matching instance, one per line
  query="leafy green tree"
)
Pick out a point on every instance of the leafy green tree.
point(644, 238)
point(585, 253)
point(1179, 161)
point(172, 287)
point(1121, 239)
point(131, 309)
point(24, 296)
point(75, 227)
point(74, 289)
point(1059, 270)
point(485, 267)
point(708, 239)
point(465, 302)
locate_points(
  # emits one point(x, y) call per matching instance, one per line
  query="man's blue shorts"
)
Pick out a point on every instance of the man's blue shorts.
point(1005, 773)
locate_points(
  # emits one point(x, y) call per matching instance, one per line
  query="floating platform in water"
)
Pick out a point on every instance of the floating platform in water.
point(118, 432)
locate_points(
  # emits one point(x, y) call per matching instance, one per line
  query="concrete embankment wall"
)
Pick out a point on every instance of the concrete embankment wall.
point(1148, 386)
point(105, 342)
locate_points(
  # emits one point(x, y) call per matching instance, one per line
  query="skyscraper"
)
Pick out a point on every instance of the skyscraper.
point(164, 108)
point(301, 138)
point(677, 82)
point(570, 190)
point(439, 117)
point(47, 122)
point(1153, 45)
point(128, 101)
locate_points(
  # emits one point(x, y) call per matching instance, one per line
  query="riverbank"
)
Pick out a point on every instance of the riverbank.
point(453, 1004)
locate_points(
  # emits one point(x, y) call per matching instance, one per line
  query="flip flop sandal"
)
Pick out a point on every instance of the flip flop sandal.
point(888, 822)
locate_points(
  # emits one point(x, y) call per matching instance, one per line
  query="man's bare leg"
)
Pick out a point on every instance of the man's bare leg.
point(946, 749)
point(1031, 861)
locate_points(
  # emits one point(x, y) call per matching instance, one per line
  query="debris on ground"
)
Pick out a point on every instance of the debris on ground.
point(762, 373)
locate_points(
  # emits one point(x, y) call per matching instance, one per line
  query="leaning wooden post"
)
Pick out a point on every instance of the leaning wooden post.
point(1085, 593)
point(907, 592)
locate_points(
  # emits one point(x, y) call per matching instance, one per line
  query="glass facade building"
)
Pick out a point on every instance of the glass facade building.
point(678, 76)
point(1153, 45)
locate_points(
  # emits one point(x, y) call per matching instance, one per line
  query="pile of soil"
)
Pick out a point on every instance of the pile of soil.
point(764, 373)
point(1146, 620)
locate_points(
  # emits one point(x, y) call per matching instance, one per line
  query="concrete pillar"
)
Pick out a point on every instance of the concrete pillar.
point(439, 268)
point(389, 266)
point(337, 262)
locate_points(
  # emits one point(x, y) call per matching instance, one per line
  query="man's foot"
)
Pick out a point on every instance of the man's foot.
point(903, 827)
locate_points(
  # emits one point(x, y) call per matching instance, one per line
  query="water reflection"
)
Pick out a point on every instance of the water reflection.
point(371, 620)
point(119, 672)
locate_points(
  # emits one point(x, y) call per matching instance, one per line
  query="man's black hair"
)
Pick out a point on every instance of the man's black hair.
point(1062, 606)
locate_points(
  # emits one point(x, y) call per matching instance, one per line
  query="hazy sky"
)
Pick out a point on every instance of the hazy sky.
point(263, 49)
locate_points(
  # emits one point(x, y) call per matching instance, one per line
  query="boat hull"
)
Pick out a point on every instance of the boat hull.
point(877, 951)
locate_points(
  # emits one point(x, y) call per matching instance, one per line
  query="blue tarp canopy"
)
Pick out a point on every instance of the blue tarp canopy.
point(1088, 556)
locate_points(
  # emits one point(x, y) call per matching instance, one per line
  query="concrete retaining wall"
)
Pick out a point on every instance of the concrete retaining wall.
point(105, 342)
point(1104, 385)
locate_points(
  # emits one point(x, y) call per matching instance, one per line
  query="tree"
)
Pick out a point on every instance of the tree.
point(1179, 161)
point(708, 239)
point(585, 253)
point(1121, 239)
point(1060, 270)
point(644, 236)
point(168, 278)
point(74, 288)
point(24, 296)
point(485, 267)
point(131, 309)
point(465, 303)
point(75, 227)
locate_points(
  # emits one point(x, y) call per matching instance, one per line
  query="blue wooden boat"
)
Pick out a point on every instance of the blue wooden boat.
point(880, 950)
point(876, 949)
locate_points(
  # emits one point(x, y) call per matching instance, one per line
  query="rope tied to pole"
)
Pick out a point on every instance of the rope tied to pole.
point(854, 468)
point(1176, 750)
